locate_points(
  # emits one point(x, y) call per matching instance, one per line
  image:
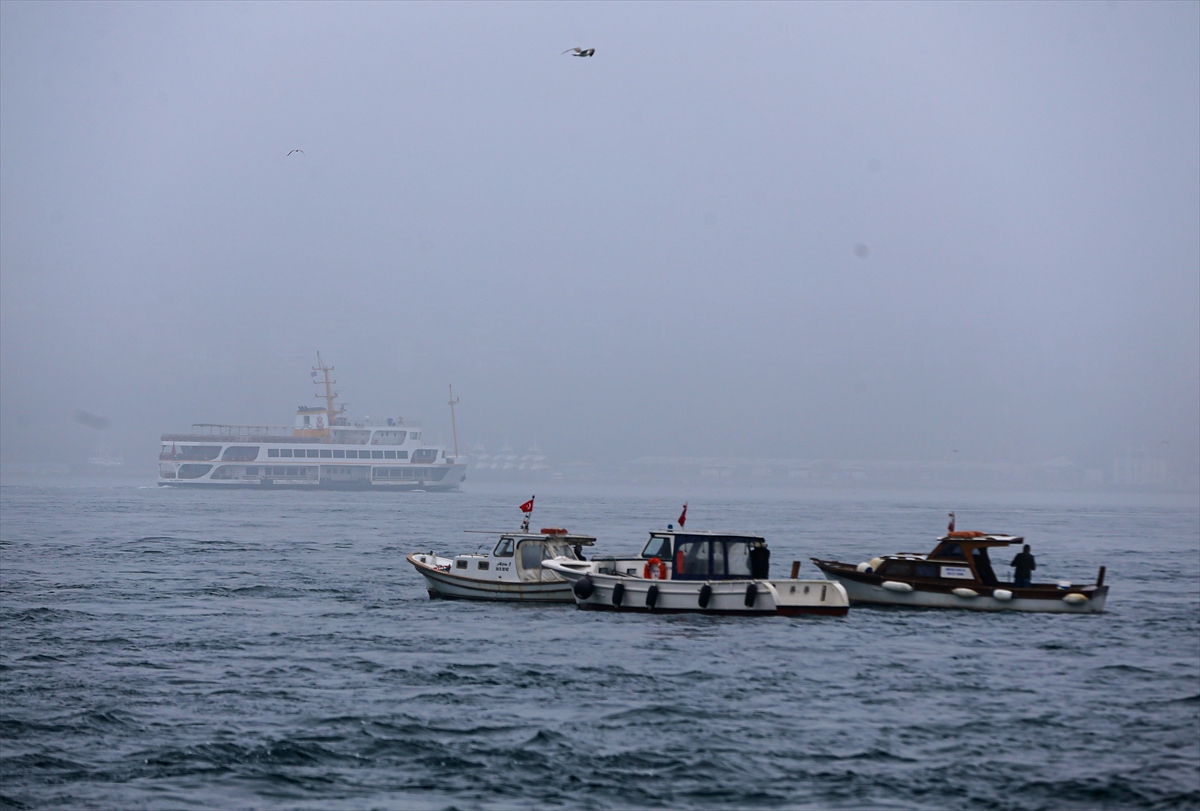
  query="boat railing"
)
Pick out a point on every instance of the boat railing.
point(217, 429)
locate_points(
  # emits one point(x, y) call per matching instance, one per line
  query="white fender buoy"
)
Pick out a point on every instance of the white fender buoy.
point(895, 585)
point(966, 593)
point(875, 563)
point(1075, 599)
point(1063, 585)
point(1003, 595)
point(864, 568)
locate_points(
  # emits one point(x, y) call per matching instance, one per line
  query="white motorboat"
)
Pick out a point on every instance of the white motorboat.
point(697, 572)
point(513, 570)
point(959, 574)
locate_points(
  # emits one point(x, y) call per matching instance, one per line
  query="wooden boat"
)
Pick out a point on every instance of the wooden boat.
point(697, 572)
point(958, 574)
point(513, 571)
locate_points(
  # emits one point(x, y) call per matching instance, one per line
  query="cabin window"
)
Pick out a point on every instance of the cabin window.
point(203, 453)
point(926, 570)
point(240, 453)
point(326, 454)
point(531, 555)
point(949, 550)
point(659, 547)
point(251, 471)
point(389, 454)
point(504, 549)
point(738, 555)
point(460, 564)
point(376, 454)
point(415, 435)
point(285, 452)
point(273, 452)
point(558, 549)
point(692, 558)
point(401, 454)
point(425, 455)
point(484, 565)
point(702, 558)
point(193, 471)
point(313, 453)
point(899, 569)
point(339, 454)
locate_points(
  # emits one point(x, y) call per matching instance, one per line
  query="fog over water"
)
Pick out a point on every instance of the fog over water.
point(878, 231)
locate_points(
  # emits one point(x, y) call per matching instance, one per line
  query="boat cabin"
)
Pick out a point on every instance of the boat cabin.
point(698, 556)
point(959, 557)
point(519, 555)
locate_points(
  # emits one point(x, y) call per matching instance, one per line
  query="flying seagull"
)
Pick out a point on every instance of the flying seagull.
point(580, 51)
point(301, 151)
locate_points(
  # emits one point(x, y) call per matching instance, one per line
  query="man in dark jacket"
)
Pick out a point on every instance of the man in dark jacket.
point(1024, 565)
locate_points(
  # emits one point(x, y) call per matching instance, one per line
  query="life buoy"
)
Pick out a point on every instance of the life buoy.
point(652, 563)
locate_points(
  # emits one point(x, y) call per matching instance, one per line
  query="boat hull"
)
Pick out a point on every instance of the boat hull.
point(355, 486)
point(727, 597)
point(875, 594)
point(447, 586)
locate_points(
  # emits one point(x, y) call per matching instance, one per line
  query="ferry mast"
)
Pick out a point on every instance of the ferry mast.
point(453, 424)
point(329, 396)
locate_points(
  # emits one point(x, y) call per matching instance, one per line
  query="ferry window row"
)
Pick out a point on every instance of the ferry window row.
point(315, 453)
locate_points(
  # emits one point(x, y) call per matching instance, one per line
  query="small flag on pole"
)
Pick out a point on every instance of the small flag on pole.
point(527, 507)
point(683, 516)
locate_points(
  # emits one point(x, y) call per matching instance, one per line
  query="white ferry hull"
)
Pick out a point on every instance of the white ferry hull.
point(870, 594)
point(451, 482)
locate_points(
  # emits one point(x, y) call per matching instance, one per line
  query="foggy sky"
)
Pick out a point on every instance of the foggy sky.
point(652, 251)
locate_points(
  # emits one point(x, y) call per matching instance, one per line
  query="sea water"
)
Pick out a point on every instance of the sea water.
point(183, 649)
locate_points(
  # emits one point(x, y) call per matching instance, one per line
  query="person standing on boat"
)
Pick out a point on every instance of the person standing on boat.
point(1024, 564)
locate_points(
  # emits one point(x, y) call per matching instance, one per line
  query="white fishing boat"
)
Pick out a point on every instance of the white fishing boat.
point(958, 574)
point(323, 450)
point(698, 572)
point(512, 571)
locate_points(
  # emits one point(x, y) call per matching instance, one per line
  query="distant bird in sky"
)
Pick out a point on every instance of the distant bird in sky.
point(580, 51)
point(301, 151)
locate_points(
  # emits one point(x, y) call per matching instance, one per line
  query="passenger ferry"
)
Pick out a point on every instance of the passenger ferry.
point(324, 450)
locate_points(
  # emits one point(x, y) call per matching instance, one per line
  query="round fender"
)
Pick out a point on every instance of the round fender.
point(705, 595)
point(863, 568)
point(751, 594)
point(1004, 595)
point(1075, 598)
point(968, 593)
point(618, 593)
point(651, 596)
point(583, 587)
point(896, 585)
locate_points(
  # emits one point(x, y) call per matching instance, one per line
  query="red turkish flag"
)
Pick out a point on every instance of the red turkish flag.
point(683, 517)
point(527, 507)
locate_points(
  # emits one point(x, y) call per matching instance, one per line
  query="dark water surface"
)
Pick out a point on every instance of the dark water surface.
point(274, 650)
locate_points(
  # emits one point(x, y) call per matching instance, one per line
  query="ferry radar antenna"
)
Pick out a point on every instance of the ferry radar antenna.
point(453, 424)
point(329, 396)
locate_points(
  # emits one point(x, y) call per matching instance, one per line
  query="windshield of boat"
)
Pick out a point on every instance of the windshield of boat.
point(715, 558)
point(504, 549)
point(659, 546)
point(534, 552)
point(948, 550)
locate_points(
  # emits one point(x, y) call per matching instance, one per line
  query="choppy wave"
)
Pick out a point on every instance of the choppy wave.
point(143, 666)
